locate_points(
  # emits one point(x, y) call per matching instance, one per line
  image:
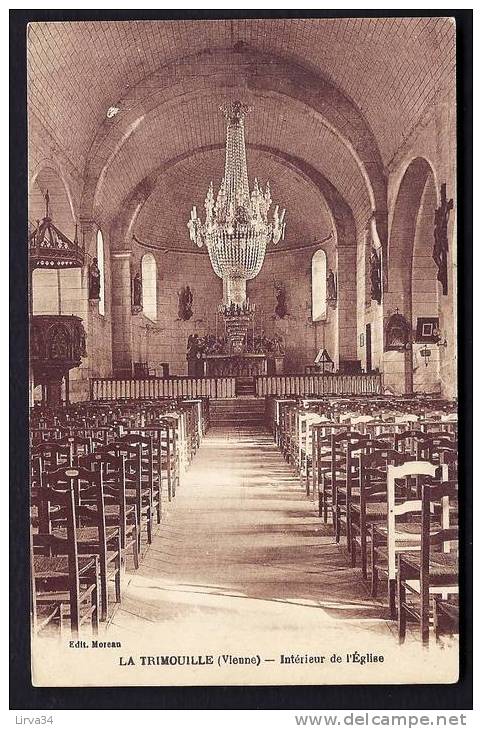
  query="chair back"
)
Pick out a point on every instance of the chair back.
point(409, 503)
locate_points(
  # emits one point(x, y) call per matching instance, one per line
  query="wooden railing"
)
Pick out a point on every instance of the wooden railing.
point(156, 388)
point(320, 384)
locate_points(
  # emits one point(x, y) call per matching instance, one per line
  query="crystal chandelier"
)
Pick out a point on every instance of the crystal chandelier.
point(237, 229)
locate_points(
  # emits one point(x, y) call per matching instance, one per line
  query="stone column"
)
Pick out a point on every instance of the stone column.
point(347, 305)
point(121, 314)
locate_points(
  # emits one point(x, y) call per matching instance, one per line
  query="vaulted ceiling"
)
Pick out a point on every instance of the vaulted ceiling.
point(339, 95)
point(186, 183)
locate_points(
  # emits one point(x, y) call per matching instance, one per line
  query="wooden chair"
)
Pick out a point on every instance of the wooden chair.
point(137, 493)
point(433, 570)
point(369, 502)
point(117, 512)
point(60, 575)
point(446, 616)
point(164, 441)
point(402, 529)
point(79, 445)
point(320, 465)
point(345, 477)
point(52, 454)
point(405, 441)
point(171, 452)
point(145, 442)
point(93, 537)
point(305, 437)
point(47, 614)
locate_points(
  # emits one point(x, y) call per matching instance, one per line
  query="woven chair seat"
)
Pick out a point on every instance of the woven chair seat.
point(441, 564)
point(46, 612)
point(58, 566)
point(373, 509)
point(410, 530)
point(449, 609)
point(88, 535)
point(113, 510)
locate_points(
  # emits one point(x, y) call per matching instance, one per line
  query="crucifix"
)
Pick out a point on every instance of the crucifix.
point(441, 244)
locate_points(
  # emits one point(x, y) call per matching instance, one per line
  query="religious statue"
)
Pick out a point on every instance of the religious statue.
point(94, 281)
point(376, 276)
point(441, 244)
point(195, 350)
point(397, 333)
point(192, 345)
point(137, 292)
point(331, 289)
point(185, 303)
point(281, 309)
point(278, 345)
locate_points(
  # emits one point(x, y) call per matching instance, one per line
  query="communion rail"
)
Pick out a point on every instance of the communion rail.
point(157, 388)
point(319, 384)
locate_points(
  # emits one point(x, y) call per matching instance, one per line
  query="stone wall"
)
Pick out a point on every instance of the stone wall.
point(434, 142)
point(138, 339)
point(51, 168)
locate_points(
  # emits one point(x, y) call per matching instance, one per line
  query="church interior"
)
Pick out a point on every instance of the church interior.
point(243, 344)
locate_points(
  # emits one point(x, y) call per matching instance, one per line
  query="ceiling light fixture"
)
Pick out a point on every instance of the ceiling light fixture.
point(237, 229)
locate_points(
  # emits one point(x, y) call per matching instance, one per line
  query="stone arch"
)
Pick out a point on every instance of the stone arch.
point(280, 76)
point(412, 276)
point(341, 320)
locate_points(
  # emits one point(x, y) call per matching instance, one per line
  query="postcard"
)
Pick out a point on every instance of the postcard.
point(243, 351)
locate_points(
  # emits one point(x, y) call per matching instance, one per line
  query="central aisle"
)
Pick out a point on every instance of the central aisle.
point(241, 549)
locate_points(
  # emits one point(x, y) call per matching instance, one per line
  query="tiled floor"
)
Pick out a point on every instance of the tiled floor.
point(240, 538)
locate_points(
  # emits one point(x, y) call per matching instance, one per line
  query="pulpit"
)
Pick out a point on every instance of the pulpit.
point(57, 344)
point(57, 341)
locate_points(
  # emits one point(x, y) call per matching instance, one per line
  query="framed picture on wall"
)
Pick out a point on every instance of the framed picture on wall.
point(427, 327)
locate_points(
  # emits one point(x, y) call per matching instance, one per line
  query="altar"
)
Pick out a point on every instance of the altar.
point(247, 364)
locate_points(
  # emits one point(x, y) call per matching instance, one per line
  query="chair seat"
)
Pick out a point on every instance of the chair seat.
point(89, 535)
point(114, 509)
point(131, 496)
point(449, 609)
point(58, 566)
point(46, 612)
point(410, 531)
point(372, 508)
point(441, 564)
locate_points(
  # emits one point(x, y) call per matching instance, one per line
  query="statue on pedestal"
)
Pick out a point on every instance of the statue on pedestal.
point(331, 288)
point(281, 309)
point(94, 281)
point(376, 276)
point(136, 293)
point(185, 303)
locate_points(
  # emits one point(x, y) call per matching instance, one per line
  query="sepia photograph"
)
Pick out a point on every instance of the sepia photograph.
point(243, 351)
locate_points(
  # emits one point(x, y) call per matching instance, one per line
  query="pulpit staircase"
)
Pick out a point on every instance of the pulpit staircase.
point(239, 411)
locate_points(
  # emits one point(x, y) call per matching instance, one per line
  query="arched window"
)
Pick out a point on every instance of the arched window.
point(318, 286)
point(100, 263)
point(149, 286)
